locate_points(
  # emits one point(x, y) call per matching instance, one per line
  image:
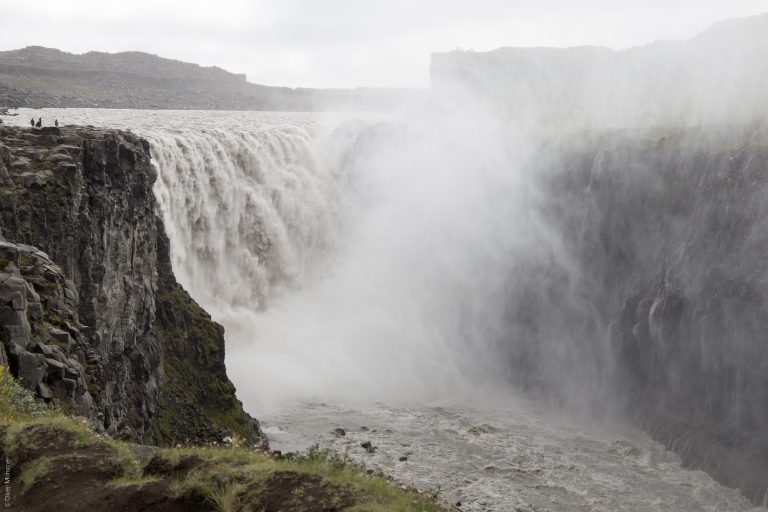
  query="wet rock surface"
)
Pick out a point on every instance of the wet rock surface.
point(97, 322)
point(667, 230)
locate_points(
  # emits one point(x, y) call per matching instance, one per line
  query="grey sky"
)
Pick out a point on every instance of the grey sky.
point(348, 43)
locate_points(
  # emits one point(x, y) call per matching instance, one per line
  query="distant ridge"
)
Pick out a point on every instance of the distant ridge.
point(718, 75)
point(45, 77)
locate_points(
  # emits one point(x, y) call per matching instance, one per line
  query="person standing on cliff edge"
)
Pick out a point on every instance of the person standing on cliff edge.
point(56, 123)
point(32, 122)
point(39, 122)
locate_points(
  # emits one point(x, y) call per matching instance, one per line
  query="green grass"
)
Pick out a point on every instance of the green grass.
point(22, 414)
point(17, 403)
point(137, 480)
point(230, 472)
point(34, 470)
point(196, 392)
point(231, 479)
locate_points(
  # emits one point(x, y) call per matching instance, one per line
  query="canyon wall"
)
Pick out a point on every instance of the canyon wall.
point(91, 315)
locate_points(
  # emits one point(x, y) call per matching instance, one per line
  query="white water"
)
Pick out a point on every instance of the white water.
point(347, 258)
point(509, 457)
point(358, 260)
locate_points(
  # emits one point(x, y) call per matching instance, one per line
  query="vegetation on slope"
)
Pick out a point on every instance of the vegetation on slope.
point(58, 462)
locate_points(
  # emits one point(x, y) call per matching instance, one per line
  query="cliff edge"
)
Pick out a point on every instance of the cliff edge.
point(91, 316)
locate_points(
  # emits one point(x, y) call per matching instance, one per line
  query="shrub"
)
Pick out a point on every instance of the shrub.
point(17, 402)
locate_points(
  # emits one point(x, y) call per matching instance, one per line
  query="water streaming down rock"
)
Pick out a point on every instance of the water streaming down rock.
point(602, 280)
point(248, 211)
point(433, 259)
point(665, 229)
point(359, 222)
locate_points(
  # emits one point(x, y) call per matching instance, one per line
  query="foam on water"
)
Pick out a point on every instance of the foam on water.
point(516, 457)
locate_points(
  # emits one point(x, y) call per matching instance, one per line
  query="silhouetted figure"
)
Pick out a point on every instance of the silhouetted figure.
point(32, 122)
point(56, 123)
point(39, 122)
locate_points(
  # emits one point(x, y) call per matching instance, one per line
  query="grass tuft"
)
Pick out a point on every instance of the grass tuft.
point(137, 480)
point(34, 470)
point(234, 478)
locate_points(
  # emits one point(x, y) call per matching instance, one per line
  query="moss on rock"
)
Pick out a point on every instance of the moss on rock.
point(197, 399)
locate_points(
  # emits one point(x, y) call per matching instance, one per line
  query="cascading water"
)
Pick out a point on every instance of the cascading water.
point(414, 263)
point(461, 261)
point(394, 289)
point(249, 212)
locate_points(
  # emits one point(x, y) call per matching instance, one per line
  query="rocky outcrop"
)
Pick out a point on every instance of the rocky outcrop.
point(655, 299)
point(97, 322)
point(41, 333)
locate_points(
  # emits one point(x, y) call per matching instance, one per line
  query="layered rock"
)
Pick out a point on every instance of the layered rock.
point(84, 196)
point(40, 328)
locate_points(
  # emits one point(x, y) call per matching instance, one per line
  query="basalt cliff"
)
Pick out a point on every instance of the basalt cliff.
point(647, 295)
point(91, 316)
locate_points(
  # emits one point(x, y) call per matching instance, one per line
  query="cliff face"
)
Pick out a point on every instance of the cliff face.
point(655, 298)
point(97, 323)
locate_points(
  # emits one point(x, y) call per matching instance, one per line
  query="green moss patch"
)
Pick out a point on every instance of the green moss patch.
point(197, 400)
point(61, 460)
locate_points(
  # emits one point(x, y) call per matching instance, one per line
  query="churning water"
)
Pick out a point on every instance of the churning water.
point(509, 457)
point(363, 268)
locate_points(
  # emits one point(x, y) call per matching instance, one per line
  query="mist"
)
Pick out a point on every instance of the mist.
point(416, 256)
point(549, 223)
point(580, 227)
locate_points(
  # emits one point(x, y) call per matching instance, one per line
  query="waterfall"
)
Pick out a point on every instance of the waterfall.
point(447, 257)
point(356, 260)
point(430, 260)
point(248, 212)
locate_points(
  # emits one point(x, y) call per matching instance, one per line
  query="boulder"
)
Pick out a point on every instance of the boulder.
point(60, 389)
point(21, 163)
point(55, 370)
point(36, 178)
point(61, 338)
point(44, 391)
point(31, 369)
point(59, 157)
point(9, 252)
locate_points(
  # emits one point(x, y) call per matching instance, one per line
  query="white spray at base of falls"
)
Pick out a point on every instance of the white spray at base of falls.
point(421, 234)
point(391, 249)
point(355, 258)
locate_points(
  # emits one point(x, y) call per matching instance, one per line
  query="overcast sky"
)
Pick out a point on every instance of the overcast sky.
point(348, 43)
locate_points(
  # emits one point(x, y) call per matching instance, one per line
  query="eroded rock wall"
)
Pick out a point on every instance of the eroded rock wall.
point(654, 299)
point(84, 196)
